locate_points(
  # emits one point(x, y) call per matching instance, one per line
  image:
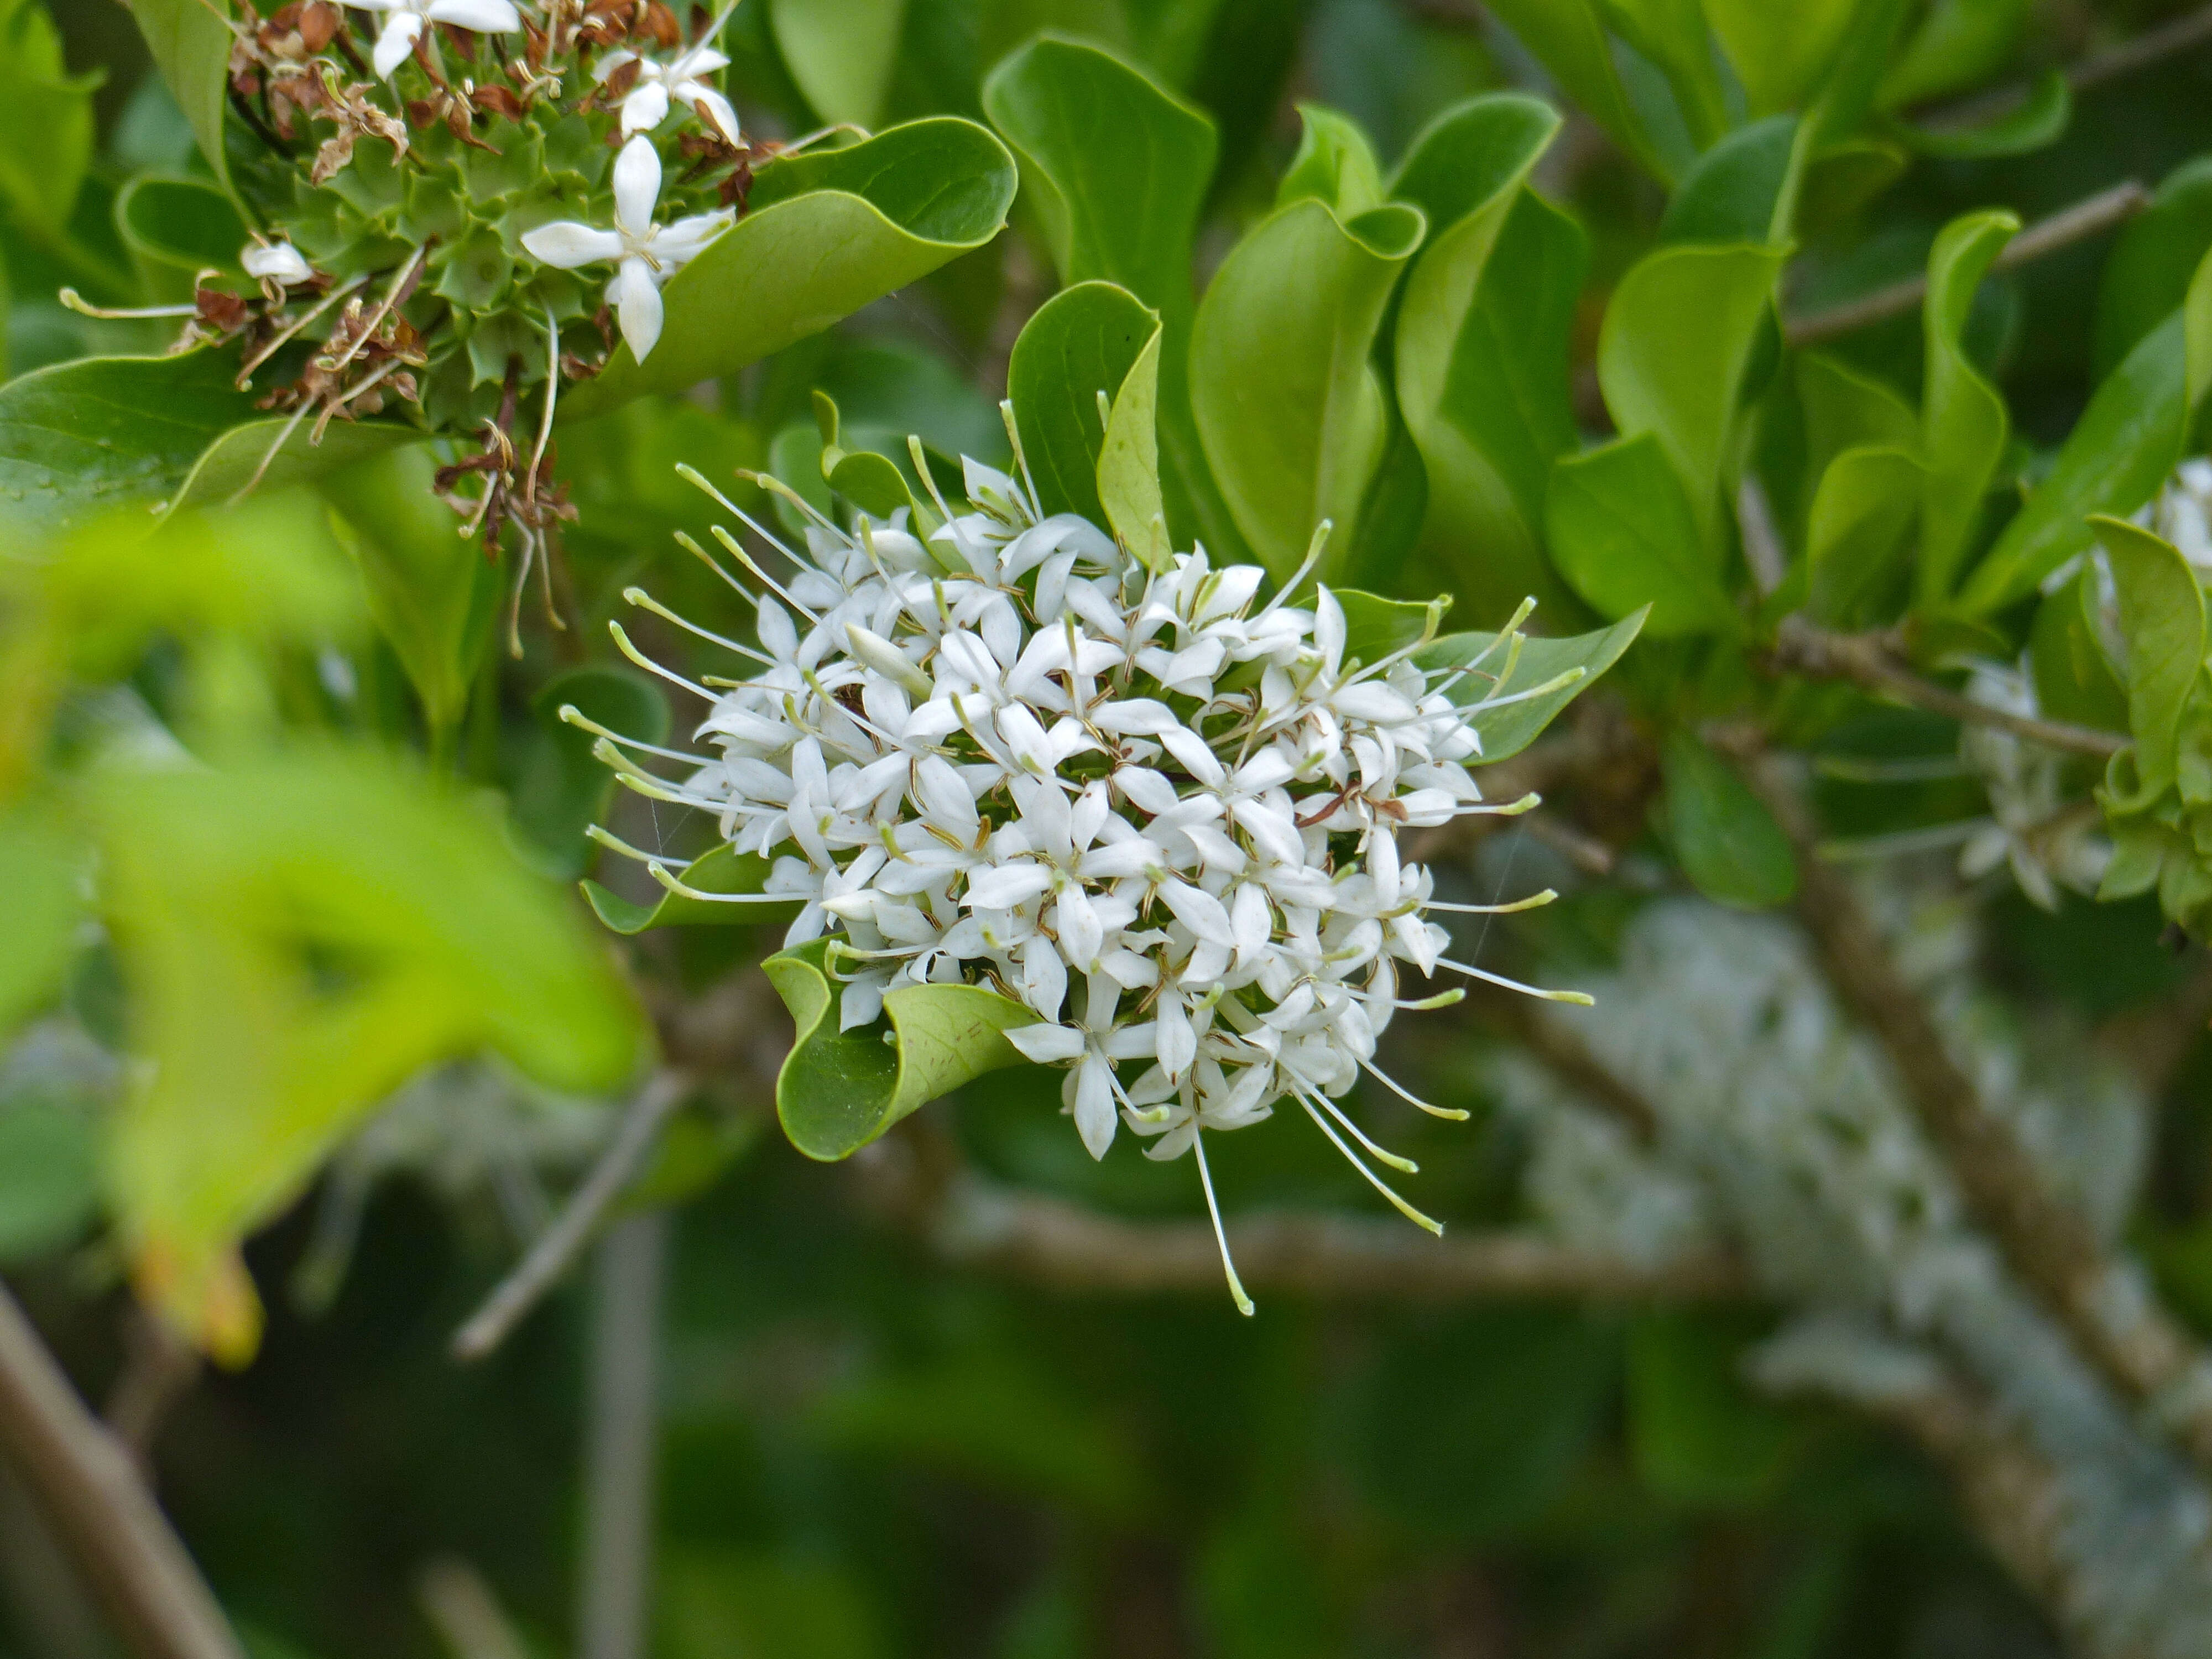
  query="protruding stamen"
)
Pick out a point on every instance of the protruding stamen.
point(615, 843)
point(1373, 1180)
point(1450, 1114)
point(1535, 900)
point(737, 550)
point(623, 644)
point(1579, 998)
point(645, 601)
point(569, 714)
point(1220, 1234)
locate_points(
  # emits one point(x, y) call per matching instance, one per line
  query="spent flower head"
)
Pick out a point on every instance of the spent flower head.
point(1159, 809)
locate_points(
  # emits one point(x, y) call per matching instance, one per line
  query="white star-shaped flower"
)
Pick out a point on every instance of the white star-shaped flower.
point(649, 254)
point(405, 19)
point(681, 78)
point(278, 262)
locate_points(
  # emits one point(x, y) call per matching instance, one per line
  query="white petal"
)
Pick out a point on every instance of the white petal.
point(1094, 1104)
point(485, 17)
point(1047, 1044)
point(1199, 911)
point(713, 109)
point(395, 40)
point(644, 109)
point(686, 239)
point(281, 261)
point(637, 296)
point(604, 70)
point(565, 245)
point(637, 187)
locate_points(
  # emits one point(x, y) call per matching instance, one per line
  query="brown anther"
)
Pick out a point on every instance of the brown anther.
point(660, 22)
point(319, 24)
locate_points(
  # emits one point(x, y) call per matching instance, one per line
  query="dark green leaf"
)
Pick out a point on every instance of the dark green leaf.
point(1742, 189)
point(1288, 404)
point(1964, 424)
point(1081, 342)
point(829, 232)
point(176, 229)
point(2073, 678)
point(1506, 732)
point(1959, 44)
point(191, 42)
point(1730, 846)
point(2157, 254)
point(1621, 533)
point(2039, 121)
point(1780, 53)
point(1672, 35)
point(840, 1090)
point(45, 123)
point(560, 786)
point(1570, 37)
point(840, 52)
point(49, 1178)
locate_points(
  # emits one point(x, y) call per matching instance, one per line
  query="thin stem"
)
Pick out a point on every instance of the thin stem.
point(2092, 216)
point(90, 1490)
point(1867, 661)
point(560, 1244)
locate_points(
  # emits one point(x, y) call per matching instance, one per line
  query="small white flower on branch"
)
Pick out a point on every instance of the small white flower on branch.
point(682, 79)
point(648, 254)
point(275, 261)
point(405, 19)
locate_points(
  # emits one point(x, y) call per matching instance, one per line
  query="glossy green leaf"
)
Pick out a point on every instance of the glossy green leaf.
point(2152, 263)
point(830, 231)
point(434, 595)
point(1375, 627)
point(84, 438)
point(270, 455)
point(1335, 165)
point(1730, 846)
point(840, 52)
point(2039, 121)
point(1673, 36)
point(175, 228)
point(300, 938)
point(1570, 37)
point(839, 1089)
point(1622, 534)
point(1115, 166)
point(190, 43)
point(1742, 190)
point(2162, 621)
point(1958, 44)
point(1677, 338)
point(1506, 732)
point(49, 1177)
point(1845, 408)
point(1780, 52)
point(1481, 348)
point(559, 786)
point(1964, 425)
point(2117, 458)
point(1843, 178)
point(872, 481)
point(2073, 678)
point(1082, 343)
point(45, 123)
point(39, 873)
point(1129, 486)
point(721, 869)
point(1859, 537)
point(1289, 407)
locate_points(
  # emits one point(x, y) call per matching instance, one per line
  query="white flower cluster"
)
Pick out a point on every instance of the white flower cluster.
point(1160, 812)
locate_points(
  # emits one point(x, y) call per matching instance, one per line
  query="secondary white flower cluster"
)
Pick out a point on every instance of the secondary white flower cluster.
point(1159, 811)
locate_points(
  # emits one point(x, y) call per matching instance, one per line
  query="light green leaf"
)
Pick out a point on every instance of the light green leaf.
point(2117, 458)
point(2162, 621)
point(1335, 165)
point(1568, 38)
point(1859, 537)
point(250, 454)
point(1506, 732)
point(49, 1178)
point(1129, 463)
point(1959, 45)
point(1780, 52)
point(1621, 533)
point(871, 480)
point(190, 44)
point(2152, 262)
point(2039, 121)
point(2073, 678)
point(45, 123)
point(1963, 420)
point(1481, 348)
point(1083, 342)
point(840, 52)
point(434, 595)
point(1671, 358)
point(1742, 190)
point(830, 231)
point(840, 1090)
point(85, 437)
point(1730, 846)
point(721, 869)
point(1846, 408)
point(1375, 627)
point(300, 938)
point(175, 228)
point(1289, 407)
point(39, 873)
